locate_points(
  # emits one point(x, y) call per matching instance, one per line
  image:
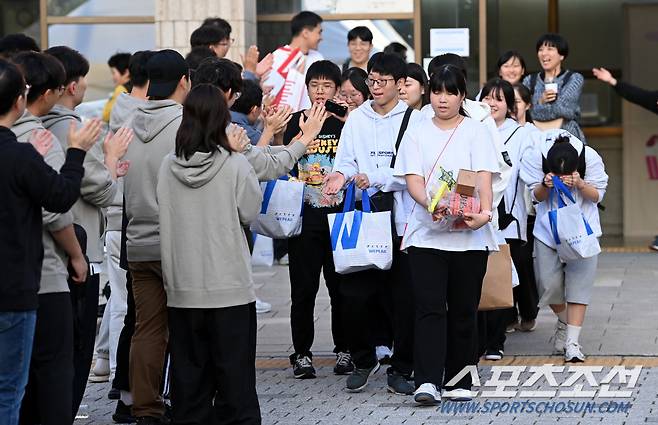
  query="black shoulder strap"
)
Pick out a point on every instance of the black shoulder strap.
point(582, 165)
point(567, 76)
point(403, 128)
point(511, 135)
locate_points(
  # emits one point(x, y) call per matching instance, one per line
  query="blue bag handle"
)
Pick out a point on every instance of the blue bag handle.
point(269, 190)
point(560, 188)
point(365, 201)
point(350, 198)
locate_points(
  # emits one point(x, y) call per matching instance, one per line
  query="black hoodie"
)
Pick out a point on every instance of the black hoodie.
point(27, 184)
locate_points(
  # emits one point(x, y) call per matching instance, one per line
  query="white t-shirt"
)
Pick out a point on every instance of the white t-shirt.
point(532, 174)
point(471, 148)
point(517, 142)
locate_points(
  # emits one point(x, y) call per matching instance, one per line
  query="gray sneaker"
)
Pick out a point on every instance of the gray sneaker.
point(560, 337)
point(358, 379)
point(398, 383)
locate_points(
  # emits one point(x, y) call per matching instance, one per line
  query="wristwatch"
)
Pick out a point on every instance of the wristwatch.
point(489, 213)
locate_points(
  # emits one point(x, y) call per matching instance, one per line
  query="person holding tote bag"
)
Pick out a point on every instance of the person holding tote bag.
point(565, 286)
point(512, 216)
point(448, 262)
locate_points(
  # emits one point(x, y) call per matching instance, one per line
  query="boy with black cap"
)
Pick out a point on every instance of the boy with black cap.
point(155, 125)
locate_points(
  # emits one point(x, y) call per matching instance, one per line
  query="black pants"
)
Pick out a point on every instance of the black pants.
point(310, 253)
point(447, 288)
point(525, 295)
point(122, 374)
point(48, 396)
point(85, 311)
point(213, 371)
point(359, 291)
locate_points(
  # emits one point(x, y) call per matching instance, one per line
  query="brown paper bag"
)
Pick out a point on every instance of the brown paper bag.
point(497, 284)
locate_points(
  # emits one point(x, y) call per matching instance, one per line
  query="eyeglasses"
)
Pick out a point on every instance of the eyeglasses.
point(378, 83)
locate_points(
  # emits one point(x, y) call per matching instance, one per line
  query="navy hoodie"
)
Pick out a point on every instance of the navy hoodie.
point(27, 184)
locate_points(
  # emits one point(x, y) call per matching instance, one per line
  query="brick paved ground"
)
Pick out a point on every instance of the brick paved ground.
point(621, 328)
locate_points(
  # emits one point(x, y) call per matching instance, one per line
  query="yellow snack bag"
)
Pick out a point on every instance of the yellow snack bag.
point(436, 193)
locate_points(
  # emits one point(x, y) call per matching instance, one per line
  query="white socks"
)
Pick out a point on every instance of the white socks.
point(562, 316)
point(573, 333)
point(126, 398)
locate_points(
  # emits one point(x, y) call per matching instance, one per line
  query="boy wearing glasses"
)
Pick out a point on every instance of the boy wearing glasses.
point(366, 155)
point(310, 252)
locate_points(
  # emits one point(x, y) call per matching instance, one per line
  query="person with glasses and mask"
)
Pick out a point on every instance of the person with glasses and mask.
point(365, 156)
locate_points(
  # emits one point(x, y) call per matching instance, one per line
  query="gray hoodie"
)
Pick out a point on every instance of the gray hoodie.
point(204, 203)
point(155, 124)
point(272, 162)
point(54, 274)
point(122, 115)
point(98, 188)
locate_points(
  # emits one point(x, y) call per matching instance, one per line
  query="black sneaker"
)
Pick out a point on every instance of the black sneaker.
point(344, 365)
point(398, 383)
point(493, 354)
point(302, 367)
point(114, 394)
point(122, 414)
point(358, 379)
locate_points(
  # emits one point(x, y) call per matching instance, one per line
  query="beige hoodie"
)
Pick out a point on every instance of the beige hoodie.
point(98, 189)
point(204, 203)
point(155, 125)
point(54, 273)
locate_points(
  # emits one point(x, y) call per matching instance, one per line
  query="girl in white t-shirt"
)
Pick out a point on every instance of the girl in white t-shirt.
point(565, 286)
point(448, 263)
point(512, 219)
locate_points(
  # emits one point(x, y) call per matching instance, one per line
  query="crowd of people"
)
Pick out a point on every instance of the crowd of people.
point(166, 196)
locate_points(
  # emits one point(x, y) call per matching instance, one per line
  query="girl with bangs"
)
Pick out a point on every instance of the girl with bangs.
point(448, 263)
point(512, 219)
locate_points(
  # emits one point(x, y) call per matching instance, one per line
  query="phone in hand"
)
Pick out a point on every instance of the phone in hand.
point(335, 108)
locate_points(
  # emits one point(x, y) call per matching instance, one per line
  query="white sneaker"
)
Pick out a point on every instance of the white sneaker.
point(427, 395)
point(262, 306)
point(560, 337)
point(458, 394)
point(284, 261)
point(101, 371)
point(382, 352)
point(573, 353)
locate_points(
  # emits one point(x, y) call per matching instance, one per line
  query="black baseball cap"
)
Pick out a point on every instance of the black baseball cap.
point(165, 69)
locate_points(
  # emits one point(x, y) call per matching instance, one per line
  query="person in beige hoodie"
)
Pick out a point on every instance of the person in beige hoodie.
point(206, 193)
point(155, 124)
point(99, 184)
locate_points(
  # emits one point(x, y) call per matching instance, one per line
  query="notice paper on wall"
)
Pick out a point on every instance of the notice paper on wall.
point(449, 40)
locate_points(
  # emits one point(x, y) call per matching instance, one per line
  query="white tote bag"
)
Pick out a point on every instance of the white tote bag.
point(360, 240)
point(573, 236)
point(263, 254)
point(281, 212)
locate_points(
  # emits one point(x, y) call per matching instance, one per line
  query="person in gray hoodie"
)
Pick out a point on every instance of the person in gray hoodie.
point(121, 303)
point(155, 125)
point(99, 187)
point(49, 393)
point(210, 293)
